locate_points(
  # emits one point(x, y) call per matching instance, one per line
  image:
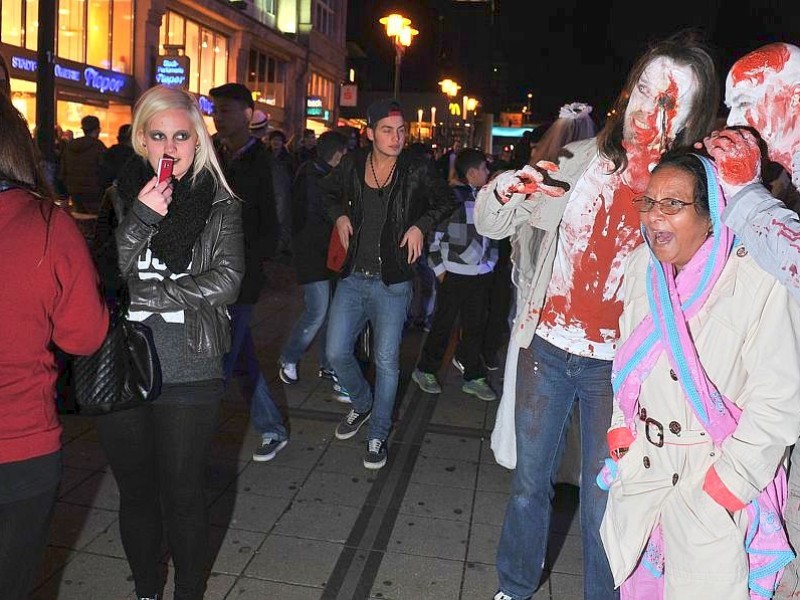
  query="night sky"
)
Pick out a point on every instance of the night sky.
point(561, 51)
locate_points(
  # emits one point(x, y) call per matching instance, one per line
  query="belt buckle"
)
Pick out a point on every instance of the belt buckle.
point(659, 429)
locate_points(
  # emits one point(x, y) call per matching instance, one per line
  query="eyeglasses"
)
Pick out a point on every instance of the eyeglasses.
point(667, 206)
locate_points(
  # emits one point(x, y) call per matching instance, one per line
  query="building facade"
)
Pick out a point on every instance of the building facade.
point(290, 53)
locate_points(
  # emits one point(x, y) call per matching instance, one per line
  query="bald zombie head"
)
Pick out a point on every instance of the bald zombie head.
point(763, 91)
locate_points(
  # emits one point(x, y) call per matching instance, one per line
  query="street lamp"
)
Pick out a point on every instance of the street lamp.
point(399, 30)
point(450, 89)
point(433, 123)
point(530, 97)
point(419, 124)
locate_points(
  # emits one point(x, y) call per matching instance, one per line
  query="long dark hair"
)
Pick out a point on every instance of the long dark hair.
point(686, 48)
point(19, 159)
point(5, 82)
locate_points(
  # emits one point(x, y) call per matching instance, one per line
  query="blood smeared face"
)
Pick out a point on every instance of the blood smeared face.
point(659, 105)
point(763, 91)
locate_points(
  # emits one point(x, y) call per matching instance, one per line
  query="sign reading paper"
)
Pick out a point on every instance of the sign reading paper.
point(348, 95)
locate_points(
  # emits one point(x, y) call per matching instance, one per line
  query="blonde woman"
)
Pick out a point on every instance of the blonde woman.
point(180, 251)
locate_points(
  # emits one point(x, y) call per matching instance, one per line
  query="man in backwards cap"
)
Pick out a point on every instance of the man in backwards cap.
point(383, 203)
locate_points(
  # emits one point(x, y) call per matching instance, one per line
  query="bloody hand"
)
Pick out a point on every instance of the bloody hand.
point(738, 158)
point(531, 179)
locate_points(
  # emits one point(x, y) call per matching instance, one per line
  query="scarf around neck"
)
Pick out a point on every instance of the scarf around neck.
point(189, 210)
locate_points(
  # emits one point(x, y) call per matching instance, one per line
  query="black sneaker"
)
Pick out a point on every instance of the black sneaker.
point(327, 374)
point(350, 425)
point(268, 449)
point(376, 455)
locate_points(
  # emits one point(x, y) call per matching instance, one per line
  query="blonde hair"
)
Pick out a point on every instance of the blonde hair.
point(160, 98)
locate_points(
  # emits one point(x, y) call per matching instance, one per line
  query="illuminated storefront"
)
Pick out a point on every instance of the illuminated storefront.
point(81, 90)
point(319, 103)
point(93, 65)
point(205, 51)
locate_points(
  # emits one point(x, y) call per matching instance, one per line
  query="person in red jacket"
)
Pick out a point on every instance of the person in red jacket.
point(49, 298)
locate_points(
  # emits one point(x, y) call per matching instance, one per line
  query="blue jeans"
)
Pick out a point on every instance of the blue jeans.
point(359, 299)
point(549, 383)
point(312, 321)
point(267, 419)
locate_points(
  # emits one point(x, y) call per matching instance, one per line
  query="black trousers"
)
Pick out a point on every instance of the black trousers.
point(461, 296)
point(499, 305)
point(158, 455)
point(24, 525)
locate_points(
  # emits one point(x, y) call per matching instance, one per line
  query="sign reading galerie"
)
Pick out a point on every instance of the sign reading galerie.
point(89, 78)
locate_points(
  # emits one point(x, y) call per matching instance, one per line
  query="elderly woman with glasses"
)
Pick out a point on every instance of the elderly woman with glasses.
point(706, 401)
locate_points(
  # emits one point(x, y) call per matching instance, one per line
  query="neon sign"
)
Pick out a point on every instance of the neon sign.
point(314, 106)
point(100, 80)
point(206, 105)
point(172, 70)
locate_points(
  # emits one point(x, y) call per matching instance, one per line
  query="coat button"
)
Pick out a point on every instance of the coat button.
point(674, 478)
point(741, 252)
point(643, 414)
point(675, 427)
point(646, 462)
point(672, 375)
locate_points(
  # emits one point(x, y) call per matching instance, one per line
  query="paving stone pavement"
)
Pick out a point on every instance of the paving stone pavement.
point(313, 524)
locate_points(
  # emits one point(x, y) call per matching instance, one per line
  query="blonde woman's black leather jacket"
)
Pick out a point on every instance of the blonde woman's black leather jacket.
point(215, 274)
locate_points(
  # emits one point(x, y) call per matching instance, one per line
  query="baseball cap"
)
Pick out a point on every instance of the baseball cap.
point(259, 120)
point(381, 109)
point(234, 91)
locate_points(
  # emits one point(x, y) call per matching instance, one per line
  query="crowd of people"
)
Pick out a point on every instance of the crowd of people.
point(639, 282)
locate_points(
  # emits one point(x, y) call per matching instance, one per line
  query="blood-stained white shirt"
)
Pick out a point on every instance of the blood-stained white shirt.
point(599, 229)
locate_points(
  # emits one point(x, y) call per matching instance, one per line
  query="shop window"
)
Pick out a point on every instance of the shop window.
point(122, 38)
point(23, 97)
point(266, 77)
point(322, 88)
point(20, 23)
point(323, 16)
point(112, 117)
point(31, 24)
point(206, 49)
point(97, 41)
point(12, 18)
point(107, 41)
point(71, 29)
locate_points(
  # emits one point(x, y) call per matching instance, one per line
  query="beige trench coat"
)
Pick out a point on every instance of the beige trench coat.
point(748, 339)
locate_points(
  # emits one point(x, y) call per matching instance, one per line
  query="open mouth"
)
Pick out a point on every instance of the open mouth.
point(660, 238)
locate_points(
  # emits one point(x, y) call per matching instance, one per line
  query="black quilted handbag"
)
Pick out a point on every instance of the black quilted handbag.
point(123, 373)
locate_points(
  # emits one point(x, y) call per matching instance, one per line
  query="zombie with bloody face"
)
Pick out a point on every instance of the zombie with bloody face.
point(571, 233)
point(763, 92)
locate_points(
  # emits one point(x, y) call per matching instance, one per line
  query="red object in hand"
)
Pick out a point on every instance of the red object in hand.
point(165, 164)
point(336, 252)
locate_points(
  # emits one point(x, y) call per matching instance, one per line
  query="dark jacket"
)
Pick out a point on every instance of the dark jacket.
point(250, 178)
point(216, 272)
point(418, 197)
point(311, 223)
point(80, 167)
point(113, 161)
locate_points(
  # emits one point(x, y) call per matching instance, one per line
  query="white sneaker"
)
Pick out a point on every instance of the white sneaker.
point(288, 373)
point(502, 596)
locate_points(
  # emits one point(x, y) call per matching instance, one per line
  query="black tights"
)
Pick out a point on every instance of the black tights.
point(158, 454)
point(24, 526)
